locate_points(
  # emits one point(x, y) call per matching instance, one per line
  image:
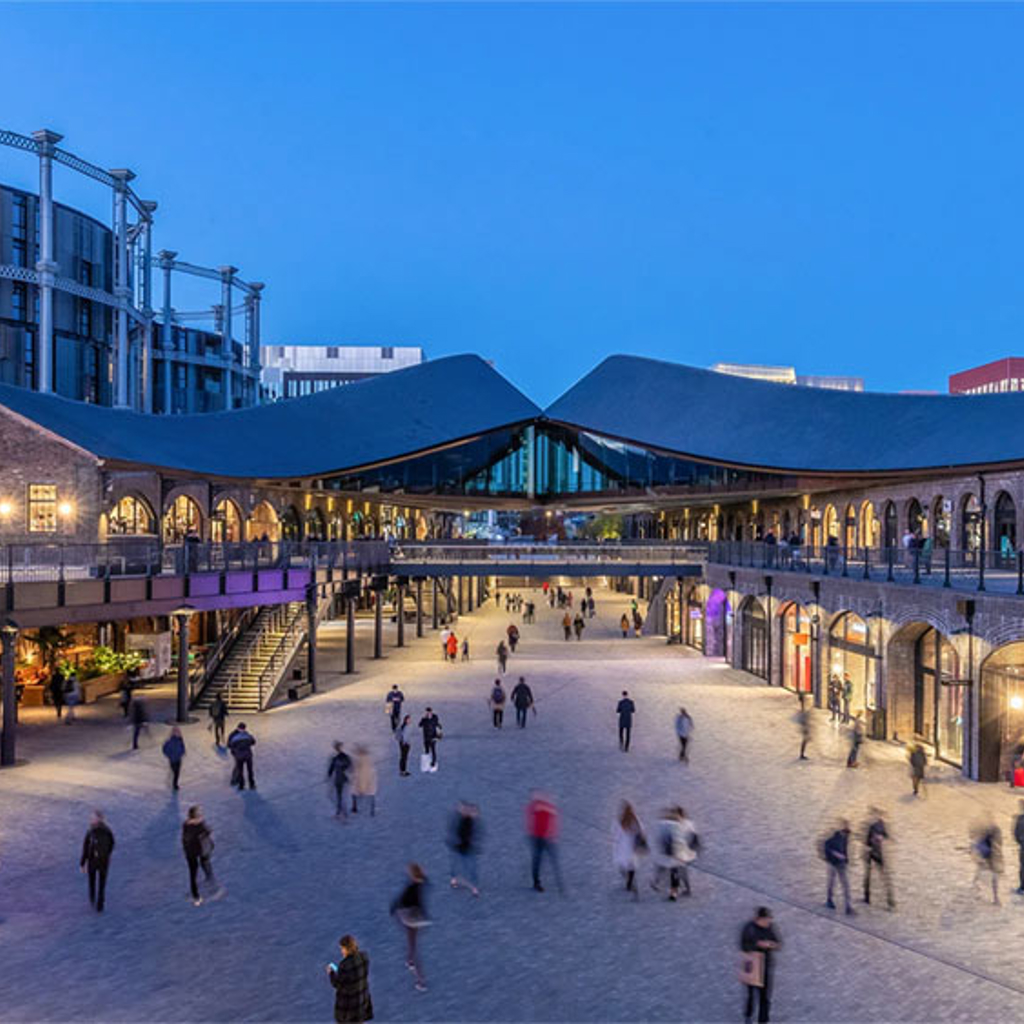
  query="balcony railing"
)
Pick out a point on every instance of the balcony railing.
point(139, 556)
point(633, 552)
point(1000, 571)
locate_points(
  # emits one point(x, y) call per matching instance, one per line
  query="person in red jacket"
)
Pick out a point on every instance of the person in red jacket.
point(542, 822)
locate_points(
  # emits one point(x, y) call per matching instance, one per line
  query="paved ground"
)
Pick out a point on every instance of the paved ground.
point(297, 879)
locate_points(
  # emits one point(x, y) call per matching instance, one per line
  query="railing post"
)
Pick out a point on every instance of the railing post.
point(867, 561)
point(945, 572)
point(917, 565)
point(1020, 572)
point(889, 560)
point(981, 566)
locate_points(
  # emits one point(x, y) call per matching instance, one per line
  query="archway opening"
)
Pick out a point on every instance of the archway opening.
point(226, 523)
point(182, 519)
point(131, 517)
point(291, 525)
point(716, 613)
point(1004, 527)
point(1001, 726)
point(264, 524)
point(795, 630)
point(753, 638)
point(852, 670)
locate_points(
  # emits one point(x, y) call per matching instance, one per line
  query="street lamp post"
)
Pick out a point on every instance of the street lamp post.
point(182, 616)
point(8, 635)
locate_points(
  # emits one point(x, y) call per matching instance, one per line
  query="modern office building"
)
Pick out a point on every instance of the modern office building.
point(291, 371)
point(788, 375)
point(866, 538)
point(78, 313)
point(1001, 375)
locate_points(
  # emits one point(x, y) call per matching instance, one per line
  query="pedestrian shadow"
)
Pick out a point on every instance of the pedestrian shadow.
point(267, 823)
point(158, 837)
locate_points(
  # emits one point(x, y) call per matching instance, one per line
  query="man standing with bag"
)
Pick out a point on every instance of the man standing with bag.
point(758, 941)
point(431, 726)
point(240, 743)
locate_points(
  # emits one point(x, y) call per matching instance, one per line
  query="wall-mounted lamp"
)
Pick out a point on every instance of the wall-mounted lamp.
point(5, 509)
point(65, 508)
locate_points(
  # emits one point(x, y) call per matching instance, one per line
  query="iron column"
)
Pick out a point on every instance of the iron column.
point(9, 634)
point(122, 399)
point(182, 616)
point(311, 610)
point(227, 275)
point(166, 258)
point(419, 606)
point(45, 266)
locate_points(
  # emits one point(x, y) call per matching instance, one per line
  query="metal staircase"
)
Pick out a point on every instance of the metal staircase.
point(251, 672)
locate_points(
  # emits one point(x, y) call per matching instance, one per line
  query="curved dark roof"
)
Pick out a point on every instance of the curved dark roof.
point(374, 420)
point(744, 422)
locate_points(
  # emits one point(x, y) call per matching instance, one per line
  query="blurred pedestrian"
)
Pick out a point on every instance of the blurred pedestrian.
point(140, 721)
point(758, 942)
point(513, 637)
point(72, 696)
point(918, 765)
point(240, 743)
point(624, 625)
point(403, 740)
point(218, 719)
point(684, 729)
point(677, 845)
point(629, 845)
point(803, 721)
point(465, 649)
point(876, 839)
point(56, 688)
point(837, 856)
point(567, 625)
point(463, 842)
point(430, 724)
point(393, 705)
point(410, 910)
point(453, 647)
point(197, 842)
point(95, 859)
point(856, 742)
point(174, 751)
point(337, 773)
point(542, 828)
point(578, 626)
point(502, 652)
point(522, 697)
point(497, 704)
point(625, 709)
point(988, 855)
point(1018, 835)
point(125, 699)
point(364, 781)
point(350, 977)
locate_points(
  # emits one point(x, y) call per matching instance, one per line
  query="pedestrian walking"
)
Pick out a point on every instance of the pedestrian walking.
point(95, 859)
point(918, 766)
point(567, 625)
point(1018, 835)
point(140, 721)
point(542, 828)
point(124, 700)
point(403, 740)
point(502, 652)
point(197, 842)
point(496, 703)
point(218, 719)
point(625, 709)
point(876, 839)
point(684, 729)
point(578, 625)
point(72, 696)
point(453, 647)
point(174, 751)
point(56, 688)
point(847, 694)
point(465, 649)
point(431, 726)
point(834, 699)
point(240, 743)
point(624, 625)
point(410, 910)
point(463, 842)
point(988, 855)
point(393, 705)
point(629, 844)
point(758, 942)
point(364, 781)
point(445, 633)
point(856, 742)
point(513, 637)
point(522, 697)
point(337, 773)
point(350, 977)
point(803, 721)
point(836, 853)
point(677, 845)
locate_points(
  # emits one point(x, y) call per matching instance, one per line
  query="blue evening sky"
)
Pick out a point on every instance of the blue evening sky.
point(835, 187)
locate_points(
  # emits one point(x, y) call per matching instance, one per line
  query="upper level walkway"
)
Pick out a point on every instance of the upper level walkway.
point(997, 572)
point(615, 558)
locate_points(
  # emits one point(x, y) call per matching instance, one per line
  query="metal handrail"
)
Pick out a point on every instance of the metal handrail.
point(294, 634)
point(661, 552)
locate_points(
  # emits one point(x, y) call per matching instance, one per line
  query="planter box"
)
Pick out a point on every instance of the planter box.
point(100, 686)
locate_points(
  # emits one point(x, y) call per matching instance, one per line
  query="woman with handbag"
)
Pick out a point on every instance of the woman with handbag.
point(630, 844)
point(758, 941)
point(411, 913)
point(197, 842)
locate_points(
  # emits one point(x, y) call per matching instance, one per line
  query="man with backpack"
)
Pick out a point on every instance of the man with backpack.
point(522, 697)
point(835, 850)
point(497, 703)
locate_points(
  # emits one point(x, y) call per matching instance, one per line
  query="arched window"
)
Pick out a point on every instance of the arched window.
point(890, 526)
point(915, 518)
point(316, 527)
point(182, 519)
point(264, 524)
point(291, 525)
point(1004, 526)
point(226, 523)
point(831, 522)
point(852, 664)
point(131, 516)
point(796, 648)
point(754, 638)
point(868, 526)
point(971, 524)
point(850, 531)
point(941, 519)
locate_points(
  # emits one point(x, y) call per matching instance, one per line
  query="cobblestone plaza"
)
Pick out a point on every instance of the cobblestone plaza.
point(297, 879)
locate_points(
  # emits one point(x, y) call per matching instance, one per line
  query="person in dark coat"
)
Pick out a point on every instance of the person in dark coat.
point(522, 697)
point(140, 721)
point(218, 718)
point(1018, 834)
point(197, 842)
point(393, 702)
point(337, 771)
point(760, 936)
point(431, 726)
point(174, 751)
point(836, 853)
point(95, 860)
point(57, 691)
point(125, 700)
point(410, 910)
point(350, 977)
point(240, 743)
point(918, 765)
point(625, 709)
point(875, 840)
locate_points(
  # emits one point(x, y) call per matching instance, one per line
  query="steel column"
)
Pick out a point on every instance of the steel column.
point(378, 624)
point(182, 619)
point(419, 606)
point(122, 398)
point(350, 635)
point(9, 634)
point(45, 266)
point(311, 610)
point(401, 614)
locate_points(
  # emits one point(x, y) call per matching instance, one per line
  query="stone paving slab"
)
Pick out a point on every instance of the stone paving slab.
point(297, 879)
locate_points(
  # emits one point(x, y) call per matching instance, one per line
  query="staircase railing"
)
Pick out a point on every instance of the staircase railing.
point(215, 657)
point(281, 656)
point(256, 649)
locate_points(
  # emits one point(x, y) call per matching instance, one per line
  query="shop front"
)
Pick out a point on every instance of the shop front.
point(795, 648)
point(694, 633)
point(1001, 734)
point(754, 638)
point(853, 662)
